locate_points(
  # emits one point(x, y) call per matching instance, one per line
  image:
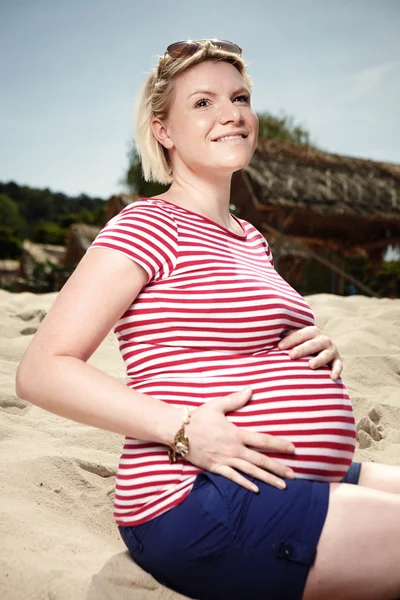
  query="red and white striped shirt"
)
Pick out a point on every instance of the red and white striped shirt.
point(207, 324)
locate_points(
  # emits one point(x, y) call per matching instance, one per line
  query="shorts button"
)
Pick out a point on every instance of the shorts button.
point(287, 550)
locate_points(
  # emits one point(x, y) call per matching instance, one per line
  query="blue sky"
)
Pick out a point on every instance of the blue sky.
point(70, 72)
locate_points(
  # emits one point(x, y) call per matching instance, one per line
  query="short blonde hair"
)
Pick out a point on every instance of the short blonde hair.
point(155, 100)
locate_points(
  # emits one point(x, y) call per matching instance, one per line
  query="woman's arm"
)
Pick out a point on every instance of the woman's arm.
point(53, 372)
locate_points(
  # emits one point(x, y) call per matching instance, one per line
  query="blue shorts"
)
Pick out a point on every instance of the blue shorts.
point(224, 541)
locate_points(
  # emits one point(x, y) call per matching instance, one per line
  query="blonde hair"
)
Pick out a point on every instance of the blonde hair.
point(155, 100)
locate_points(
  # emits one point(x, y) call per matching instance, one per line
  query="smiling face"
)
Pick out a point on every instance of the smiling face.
point(211, 100)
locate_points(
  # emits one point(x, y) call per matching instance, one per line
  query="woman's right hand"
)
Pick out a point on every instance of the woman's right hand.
point(219, 446)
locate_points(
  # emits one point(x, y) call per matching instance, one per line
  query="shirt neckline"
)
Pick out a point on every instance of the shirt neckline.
point(239, 236)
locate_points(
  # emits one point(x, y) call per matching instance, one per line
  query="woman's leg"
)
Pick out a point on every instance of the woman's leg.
point(358, 553)
point(380, 477)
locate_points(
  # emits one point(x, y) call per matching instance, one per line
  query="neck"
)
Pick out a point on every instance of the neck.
point(208, 198)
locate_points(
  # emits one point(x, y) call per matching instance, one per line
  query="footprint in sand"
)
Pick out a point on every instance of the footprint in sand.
point(92, 484)
point(95, 468)
point(14, 405)
point(29, 315)
point(28, 330)
point(369, 429)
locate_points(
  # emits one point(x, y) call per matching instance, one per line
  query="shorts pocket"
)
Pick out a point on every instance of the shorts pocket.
point(213, 498)
point(198, 528)
point(301, 546)
point(133, 536)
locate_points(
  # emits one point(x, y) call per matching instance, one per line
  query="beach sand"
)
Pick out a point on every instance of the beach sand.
point(58, 536)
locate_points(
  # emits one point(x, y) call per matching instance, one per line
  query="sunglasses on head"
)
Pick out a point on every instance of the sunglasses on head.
point(189, 47)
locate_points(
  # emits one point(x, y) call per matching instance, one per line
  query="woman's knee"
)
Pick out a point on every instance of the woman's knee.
point(358, 551)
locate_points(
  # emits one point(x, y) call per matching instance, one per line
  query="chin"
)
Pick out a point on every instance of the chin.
point(236, 165)
point(229, 170)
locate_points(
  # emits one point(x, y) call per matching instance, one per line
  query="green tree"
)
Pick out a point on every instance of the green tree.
point(42, 215)
point(89, 217)
point(37, 204)
point(50, 233)
point(10, 244)
point(10, 216)
point(281, 128)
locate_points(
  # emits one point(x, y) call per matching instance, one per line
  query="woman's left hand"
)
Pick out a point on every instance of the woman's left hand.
point(311, 340)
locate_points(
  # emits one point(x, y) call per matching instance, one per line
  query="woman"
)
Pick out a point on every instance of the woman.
point(211, 497)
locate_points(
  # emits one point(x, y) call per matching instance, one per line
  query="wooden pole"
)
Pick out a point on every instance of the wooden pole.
point(340, 282)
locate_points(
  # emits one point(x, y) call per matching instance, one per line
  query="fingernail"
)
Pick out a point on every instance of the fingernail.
point(291, 448)
point(245, 390)
point(281, 484)
point(254, 488)
point(290, 475)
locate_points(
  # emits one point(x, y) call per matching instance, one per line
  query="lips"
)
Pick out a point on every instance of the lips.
point(242, 133)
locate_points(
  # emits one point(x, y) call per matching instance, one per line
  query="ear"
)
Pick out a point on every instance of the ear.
point(160, 133)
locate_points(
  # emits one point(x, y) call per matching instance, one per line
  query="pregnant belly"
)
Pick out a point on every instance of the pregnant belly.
point(289, 400)
point(306, 407)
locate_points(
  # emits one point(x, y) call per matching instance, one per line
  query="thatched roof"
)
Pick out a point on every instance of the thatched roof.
point(294, 176)
point(317, 197)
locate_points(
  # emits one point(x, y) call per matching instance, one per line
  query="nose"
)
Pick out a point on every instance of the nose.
point(230, 112)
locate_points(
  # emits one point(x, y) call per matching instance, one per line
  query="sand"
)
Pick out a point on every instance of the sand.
point(58, 536)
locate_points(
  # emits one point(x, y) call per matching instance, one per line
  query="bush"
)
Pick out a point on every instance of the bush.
point(50, 233)
point(10, 245)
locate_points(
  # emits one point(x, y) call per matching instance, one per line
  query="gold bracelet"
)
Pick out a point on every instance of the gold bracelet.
point(180, 444)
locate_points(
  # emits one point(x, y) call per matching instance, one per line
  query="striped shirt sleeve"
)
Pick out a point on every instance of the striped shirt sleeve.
point(268, 252)
point(264, 242)
point(147, 235)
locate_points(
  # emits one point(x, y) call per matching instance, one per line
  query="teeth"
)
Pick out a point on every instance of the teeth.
point(229, 137)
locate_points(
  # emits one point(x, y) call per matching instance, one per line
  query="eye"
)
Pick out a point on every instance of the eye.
point(245, 97)
point(200, 101)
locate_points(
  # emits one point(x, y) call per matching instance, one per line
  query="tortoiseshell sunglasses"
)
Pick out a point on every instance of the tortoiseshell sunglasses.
point(189, 47)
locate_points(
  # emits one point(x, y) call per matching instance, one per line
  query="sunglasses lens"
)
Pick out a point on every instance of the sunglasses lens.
point(228, 46)
point(179, 49)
